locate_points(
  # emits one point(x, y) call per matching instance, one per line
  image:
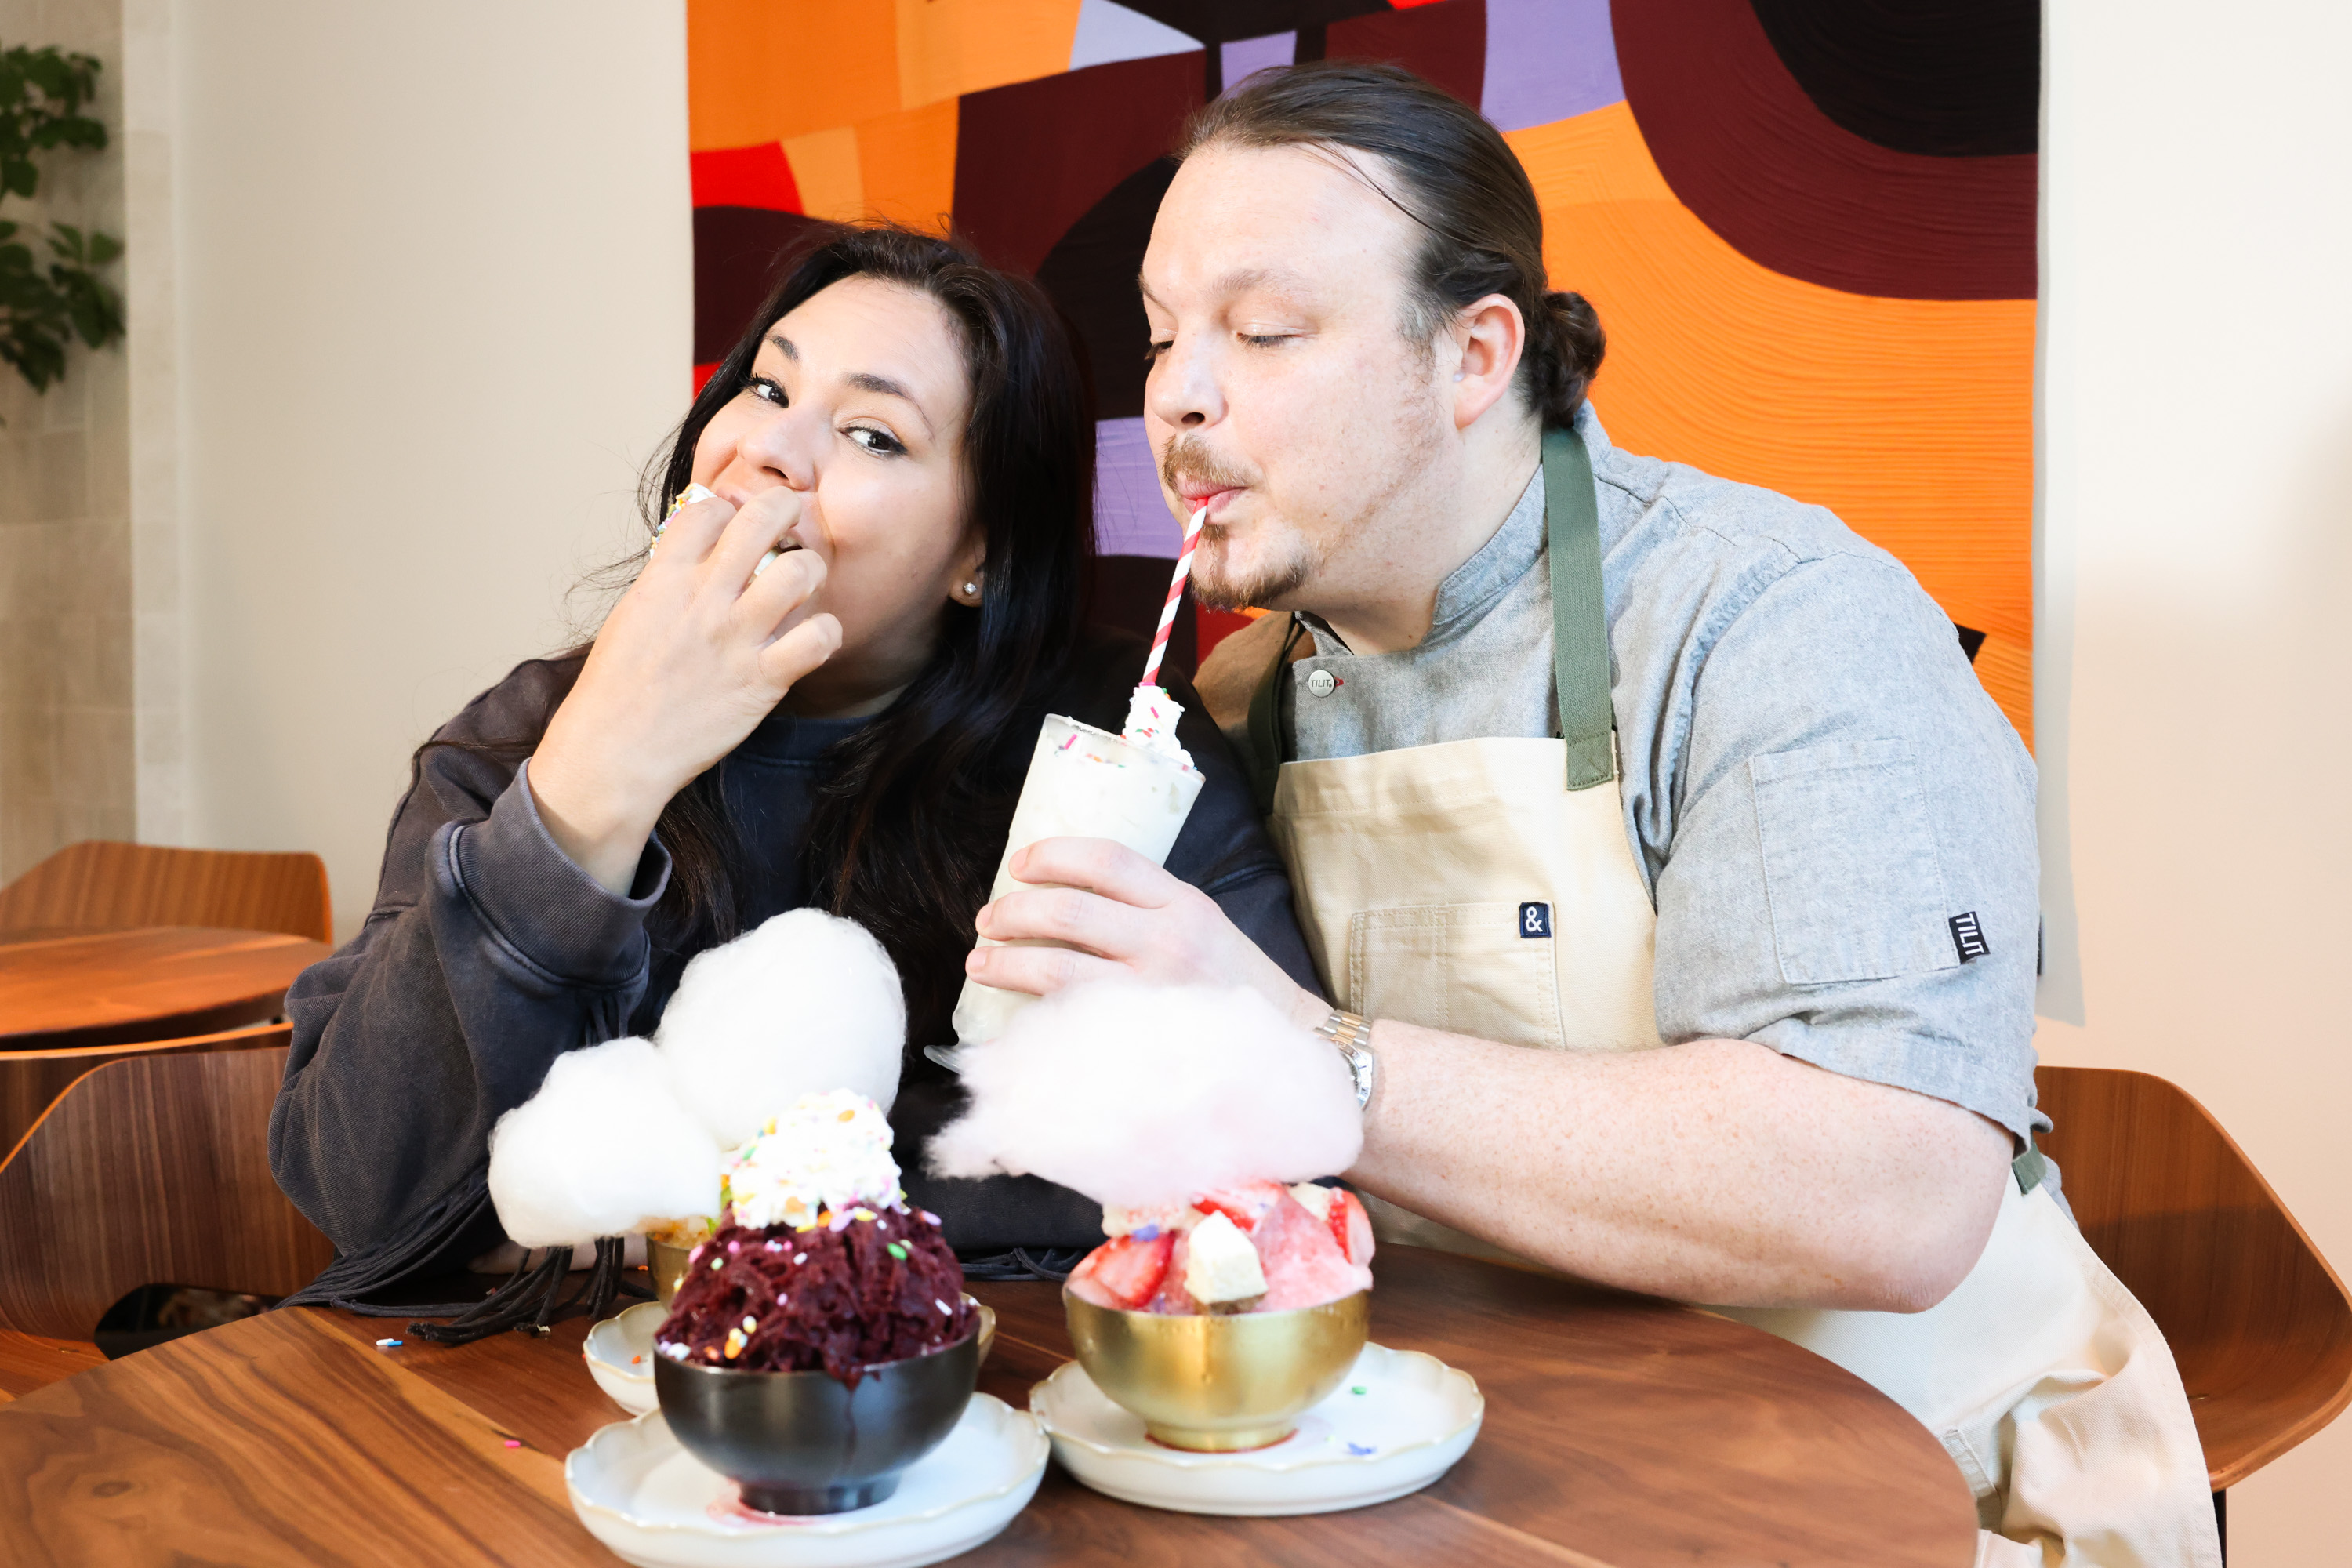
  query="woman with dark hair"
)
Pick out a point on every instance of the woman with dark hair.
point(820, 688)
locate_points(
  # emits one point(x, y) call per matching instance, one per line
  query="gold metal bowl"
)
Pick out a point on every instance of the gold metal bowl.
point(1219, 1385)
point(667, 1265)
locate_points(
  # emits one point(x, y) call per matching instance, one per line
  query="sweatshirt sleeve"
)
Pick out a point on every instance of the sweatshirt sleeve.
point(488, 953)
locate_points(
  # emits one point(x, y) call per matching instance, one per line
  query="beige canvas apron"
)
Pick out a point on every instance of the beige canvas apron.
point(1489, 888)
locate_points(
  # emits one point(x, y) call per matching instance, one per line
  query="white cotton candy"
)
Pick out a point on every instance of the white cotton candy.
point(1143, 1096)
point(806, 1003)
point(603, 1149)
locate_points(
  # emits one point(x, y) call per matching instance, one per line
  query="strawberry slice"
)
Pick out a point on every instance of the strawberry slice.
point(1126, 1271)
point(1352, 1228)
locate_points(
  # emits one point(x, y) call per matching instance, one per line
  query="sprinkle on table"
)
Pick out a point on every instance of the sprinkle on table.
point(389, 1344)
point(514, 1442)
point(1357, 1389)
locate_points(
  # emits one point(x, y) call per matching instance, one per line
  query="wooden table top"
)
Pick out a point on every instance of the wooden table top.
point(1621, 1433)
point(149, 983)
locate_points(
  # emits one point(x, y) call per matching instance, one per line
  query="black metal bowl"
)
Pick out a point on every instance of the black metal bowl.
point(804, 1442)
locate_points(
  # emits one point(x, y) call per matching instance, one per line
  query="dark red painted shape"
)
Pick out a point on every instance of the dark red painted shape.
point(1443, 41)
point(1033, 158)
point(1746, 149)
point(738, 258)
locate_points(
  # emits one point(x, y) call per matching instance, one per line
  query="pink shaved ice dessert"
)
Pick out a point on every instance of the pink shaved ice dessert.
point(1256, 1248)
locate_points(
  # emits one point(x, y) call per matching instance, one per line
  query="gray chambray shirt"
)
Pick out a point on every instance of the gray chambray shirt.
point(1829, 810)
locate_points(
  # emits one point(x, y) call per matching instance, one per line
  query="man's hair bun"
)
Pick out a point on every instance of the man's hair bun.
point(1565, 345)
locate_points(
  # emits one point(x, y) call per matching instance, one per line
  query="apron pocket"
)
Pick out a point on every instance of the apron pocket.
point(1464, 968)
point(1851, 871)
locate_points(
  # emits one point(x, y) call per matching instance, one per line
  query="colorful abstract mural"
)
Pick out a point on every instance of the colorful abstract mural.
point(1809, 226)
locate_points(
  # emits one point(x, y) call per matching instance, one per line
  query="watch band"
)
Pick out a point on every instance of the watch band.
point(1352, 1034)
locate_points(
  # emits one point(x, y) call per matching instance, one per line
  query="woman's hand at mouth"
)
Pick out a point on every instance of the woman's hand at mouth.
point(696, 652)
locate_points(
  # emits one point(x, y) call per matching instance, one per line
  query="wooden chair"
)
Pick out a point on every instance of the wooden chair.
point(149, 1170)
point(98, 883)
point(2258, 1322)
point(31, 1080)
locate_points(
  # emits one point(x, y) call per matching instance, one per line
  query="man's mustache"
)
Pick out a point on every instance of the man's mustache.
point(1189, 458)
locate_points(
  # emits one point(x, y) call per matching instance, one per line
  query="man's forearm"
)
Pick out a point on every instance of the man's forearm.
point(1717, 1170)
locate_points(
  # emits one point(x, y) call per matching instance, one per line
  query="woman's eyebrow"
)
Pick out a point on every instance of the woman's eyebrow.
point(863, 380)
point(867, 381)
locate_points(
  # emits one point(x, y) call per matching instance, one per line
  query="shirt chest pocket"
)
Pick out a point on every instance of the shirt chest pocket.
point(1851, 871)
point(1471, 969)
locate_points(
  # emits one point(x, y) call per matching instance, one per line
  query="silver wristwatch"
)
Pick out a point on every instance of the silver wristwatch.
point(1354, 1036)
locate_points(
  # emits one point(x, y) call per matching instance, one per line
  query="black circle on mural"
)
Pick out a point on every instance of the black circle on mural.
point(1943, 78)
point(1223, 21)
point(1090, 274)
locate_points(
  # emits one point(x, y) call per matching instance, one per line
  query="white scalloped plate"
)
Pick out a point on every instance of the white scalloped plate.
point(1397, 1422)
point(657, 1506)
point(620, 1356)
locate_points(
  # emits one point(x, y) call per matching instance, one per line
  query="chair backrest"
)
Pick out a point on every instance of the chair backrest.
point(151, 1170)
point(99, 882)
point(2258, 1322)
point(30, 1081)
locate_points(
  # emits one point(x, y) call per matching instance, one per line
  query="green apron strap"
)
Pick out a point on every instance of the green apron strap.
point(2030, 1167)
point(1579, 626)
point(1261, 756)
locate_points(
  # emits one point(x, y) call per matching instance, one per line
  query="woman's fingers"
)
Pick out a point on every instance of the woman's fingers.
point(762, 524)
point(770, 602)
point(792, 656)
point(690, 532)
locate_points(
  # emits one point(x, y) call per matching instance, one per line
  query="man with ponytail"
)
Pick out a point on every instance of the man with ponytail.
point(1670, 877)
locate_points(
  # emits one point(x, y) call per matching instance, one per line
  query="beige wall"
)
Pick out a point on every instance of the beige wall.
point(2197, 557)
point(66, 689)
point(433, 298)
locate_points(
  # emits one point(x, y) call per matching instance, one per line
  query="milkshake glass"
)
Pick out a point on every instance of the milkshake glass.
point(1086, 783)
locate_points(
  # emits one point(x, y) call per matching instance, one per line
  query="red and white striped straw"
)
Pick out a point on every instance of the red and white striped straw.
point(1175, 596)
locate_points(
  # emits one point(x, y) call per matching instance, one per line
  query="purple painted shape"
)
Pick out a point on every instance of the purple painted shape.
point(1548, 60)
point(1131, 518)
point(1244, 56)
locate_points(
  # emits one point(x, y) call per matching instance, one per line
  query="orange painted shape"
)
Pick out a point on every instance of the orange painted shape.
point(1911, 419)
point(907, 164)
point(768, 70)
point(951, 47)
point(745, 177)
point(826, 167)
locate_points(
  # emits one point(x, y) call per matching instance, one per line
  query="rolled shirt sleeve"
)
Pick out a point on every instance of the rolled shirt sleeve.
point(1837, 820)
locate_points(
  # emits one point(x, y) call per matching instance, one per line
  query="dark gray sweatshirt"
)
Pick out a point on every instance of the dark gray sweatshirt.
point(488, 952)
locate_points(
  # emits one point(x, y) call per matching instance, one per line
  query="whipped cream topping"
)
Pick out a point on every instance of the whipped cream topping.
point(828, 1156)
point(1152, 716)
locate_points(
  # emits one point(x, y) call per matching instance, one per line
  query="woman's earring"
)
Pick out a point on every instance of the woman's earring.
point(972, 590)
